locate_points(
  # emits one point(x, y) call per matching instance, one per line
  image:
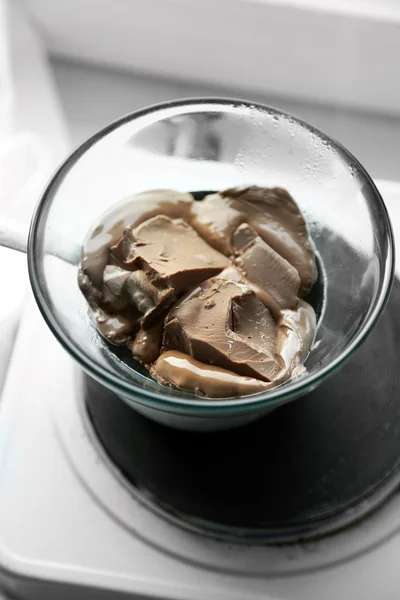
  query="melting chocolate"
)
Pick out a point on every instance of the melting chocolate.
point(232, 273)
point(186, 373)
point(147, 344)
point(272, 213)
point(148, 298)
point(153, 246)
point(278, 278)
point(206, 294)
point(296, 332)
point(132, 211)
point(226, 325)
point(117, 329)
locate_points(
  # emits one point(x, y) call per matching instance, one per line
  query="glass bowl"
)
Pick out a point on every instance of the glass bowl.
point(212, 144)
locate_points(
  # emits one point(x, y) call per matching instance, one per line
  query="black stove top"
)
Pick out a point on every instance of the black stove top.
point(293, 473)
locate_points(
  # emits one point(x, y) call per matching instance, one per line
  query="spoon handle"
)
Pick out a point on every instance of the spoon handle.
point(14, 235)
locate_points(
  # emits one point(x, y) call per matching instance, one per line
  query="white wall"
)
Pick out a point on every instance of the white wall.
point(336, 51)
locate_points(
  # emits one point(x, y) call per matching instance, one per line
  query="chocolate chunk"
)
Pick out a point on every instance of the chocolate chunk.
point(233, 273)
point(296, 334)
point(161, 259)
point(242, 237)
point(265, 267)
point(169, 250)
point(272, 213)
point(132, 211)
point(147, 344)
point(123, 289)
point(215, 218)
point(238, 333)
point(117, 329)
point(186, 373)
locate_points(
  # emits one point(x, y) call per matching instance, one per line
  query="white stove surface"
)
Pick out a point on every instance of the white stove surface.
point(68, 519)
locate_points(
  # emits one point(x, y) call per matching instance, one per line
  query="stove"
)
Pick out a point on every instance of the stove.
point(307, 470)
point(98, 502)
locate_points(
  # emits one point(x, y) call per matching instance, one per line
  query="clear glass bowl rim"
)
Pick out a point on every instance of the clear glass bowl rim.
point(162, 400)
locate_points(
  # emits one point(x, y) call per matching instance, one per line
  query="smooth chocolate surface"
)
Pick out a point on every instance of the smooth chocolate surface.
point(186, 373)
point(154, 248)
point(225, 325)
point(280, 279)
